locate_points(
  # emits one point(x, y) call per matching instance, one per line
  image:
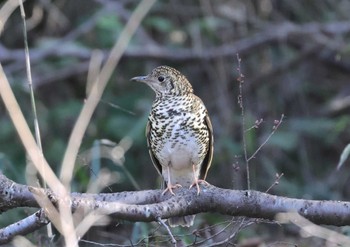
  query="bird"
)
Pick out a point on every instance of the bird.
point(179, 133)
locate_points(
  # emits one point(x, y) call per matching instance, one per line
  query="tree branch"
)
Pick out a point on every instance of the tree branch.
point(24, 226)
point(148, 205)
point(274, 33)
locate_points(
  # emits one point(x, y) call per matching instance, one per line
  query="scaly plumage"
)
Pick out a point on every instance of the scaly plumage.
point(179, 133)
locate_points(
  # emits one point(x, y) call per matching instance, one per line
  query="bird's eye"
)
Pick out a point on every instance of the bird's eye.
point(161, 78)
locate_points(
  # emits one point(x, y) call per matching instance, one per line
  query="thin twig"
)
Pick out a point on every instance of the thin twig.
point(32, 97)
point(240, 79)
point(161, 222)
point(118, 107)
point(29, 77)
point(241, 225)
point(256, 125)
point(274, 129)
point(222, 230)
point(277, 180)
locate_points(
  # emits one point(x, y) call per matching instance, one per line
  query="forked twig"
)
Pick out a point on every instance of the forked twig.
point(274, 128)
point(277, 180)
point(161, 222)
point(277, 123)
point(256, 125)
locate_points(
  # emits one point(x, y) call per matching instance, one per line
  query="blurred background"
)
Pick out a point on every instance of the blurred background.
point(295, 60)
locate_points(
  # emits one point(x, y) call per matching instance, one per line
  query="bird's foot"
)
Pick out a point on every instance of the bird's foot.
point(170, 188)
point(196, 183)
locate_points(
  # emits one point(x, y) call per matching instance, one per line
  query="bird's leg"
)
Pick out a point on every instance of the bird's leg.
point(169, 186)
point(197, 181)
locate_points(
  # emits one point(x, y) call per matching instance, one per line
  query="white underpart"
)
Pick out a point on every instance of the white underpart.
point(180, 157)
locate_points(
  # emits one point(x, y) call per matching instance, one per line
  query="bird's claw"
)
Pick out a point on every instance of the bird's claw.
point(196, 183)
point(170, 188)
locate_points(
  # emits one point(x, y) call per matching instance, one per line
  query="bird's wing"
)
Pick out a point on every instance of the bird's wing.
point(209, 157)
point(154, 159)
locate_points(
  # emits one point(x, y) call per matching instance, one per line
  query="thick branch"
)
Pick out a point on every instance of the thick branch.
point(252, 204)
point(151, 205)
point(148, 205)
point(13, 195)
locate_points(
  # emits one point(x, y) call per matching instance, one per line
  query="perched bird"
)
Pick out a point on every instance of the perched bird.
point(179, 133)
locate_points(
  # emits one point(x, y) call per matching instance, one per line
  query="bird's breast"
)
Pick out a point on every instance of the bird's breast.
point(178, 137)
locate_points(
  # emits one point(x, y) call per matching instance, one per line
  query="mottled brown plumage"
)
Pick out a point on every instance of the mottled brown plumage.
point(179, 133)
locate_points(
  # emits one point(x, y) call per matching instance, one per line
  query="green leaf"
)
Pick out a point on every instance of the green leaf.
point(344, 155)
point(160, 24)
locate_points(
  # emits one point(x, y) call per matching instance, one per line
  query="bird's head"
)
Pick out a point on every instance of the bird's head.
point(165, 80)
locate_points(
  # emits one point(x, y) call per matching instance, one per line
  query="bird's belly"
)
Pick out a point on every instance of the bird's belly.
point(180, 148)
point(178, 155)
point(178, 161)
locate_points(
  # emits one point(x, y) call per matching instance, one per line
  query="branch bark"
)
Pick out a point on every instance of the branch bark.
point(147, 205)
point(150, 205)
point(24, 226)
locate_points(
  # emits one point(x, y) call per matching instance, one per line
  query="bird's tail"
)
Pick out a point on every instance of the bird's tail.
point(184, 221)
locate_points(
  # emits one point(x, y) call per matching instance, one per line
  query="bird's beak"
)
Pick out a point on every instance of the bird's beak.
point(139, 78)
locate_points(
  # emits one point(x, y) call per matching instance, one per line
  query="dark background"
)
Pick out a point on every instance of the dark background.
point(295, 59)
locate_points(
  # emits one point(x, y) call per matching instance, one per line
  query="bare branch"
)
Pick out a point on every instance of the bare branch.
point(274, 129)
point(161, 222)
point(23, 227)
point(272, 34)
point(314, 230)
point(240, 79)
point(149, 205)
